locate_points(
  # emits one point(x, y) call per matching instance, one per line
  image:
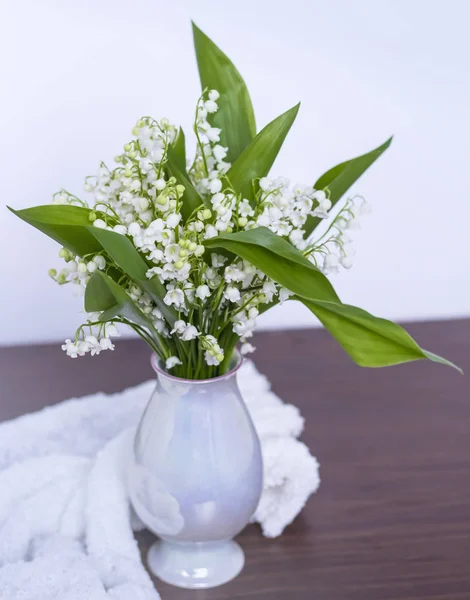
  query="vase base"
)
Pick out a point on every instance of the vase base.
point(195, 565)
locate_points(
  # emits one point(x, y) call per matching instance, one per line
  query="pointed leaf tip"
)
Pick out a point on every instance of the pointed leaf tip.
point(340, 178)
point(443, 361)
point(235, 116)
point(257, 159)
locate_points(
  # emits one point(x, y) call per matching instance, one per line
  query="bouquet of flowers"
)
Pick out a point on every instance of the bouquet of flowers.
point(188, 253)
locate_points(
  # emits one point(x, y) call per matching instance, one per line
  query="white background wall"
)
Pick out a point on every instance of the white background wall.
point(76, 75)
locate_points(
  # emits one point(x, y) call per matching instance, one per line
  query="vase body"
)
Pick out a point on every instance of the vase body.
point(196, 477)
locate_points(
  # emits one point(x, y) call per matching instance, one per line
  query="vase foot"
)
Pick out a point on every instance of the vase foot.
point(195, 565)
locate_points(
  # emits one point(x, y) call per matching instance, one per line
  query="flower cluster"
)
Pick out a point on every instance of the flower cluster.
point(214, 297)
point(93, 344)
point(209, 164)
point(77, 270)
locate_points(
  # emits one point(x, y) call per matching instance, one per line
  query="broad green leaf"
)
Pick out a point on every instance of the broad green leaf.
point(370, 341)
point(235, 116)
point(191, 199)
point(279, 260)
point(70, 226)
point(65, 224)
point(340, 178)
point(124, 254)
point(122, 251)
point(104, 295)
point(179, 151)
point(258, 158)
point(98, 296)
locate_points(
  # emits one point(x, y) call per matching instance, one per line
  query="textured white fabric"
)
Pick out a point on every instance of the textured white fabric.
point(65, 520)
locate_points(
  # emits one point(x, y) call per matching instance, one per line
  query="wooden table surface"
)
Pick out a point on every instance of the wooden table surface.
point(392, 517)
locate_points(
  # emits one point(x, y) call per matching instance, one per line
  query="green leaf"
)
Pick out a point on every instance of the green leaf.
point(70, 226)
point(191, 199)
point(279, 260)
point(179, 151)
point(98, 296)
point(65, 224)
point(370, 341)
point(121, 250)
point(340, 178)
point(235, 115)
point(104, 295)
point(258, 158)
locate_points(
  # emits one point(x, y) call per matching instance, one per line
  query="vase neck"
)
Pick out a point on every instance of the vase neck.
point(166, 378)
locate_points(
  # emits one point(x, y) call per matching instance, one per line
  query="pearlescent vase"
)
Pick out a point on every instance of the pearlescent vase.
point(196, 477)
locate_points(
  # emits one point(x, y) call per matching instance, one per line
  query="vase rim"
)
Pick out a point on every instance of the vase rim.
point(157, 362)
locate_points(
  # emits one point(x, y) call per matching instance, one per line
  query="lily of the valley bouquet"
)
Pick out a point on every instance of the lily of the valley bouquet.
point(189, 253)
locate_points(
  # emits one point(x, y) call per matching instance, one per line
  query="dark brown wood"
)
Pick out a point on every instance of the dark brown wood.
point(392, 517)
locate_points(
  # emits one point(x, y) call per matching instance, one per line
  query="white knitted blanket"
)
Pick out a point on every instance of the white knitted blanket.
point(66, 527)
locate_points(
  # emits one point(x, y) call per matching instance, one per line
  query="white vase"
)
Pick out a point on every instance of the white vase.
point(196, 477)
